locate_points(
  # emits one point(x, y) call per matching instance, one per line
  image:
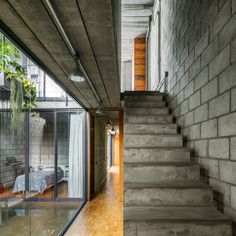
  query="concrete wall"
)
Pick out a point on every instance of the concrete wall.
point(126, 76)
point(153, 50)
point(199, 51)
point(100, 152)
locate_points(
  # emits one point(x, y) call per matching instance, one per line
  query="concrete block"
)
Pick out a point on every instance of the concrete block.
point(233, 99)
point(188, 119)
point(222, 188)
point(194, 100)
point(219, 148)
point(227, 78)
point(209, 16)
point(211, 167)
point(180, 97)
point(195, 68)
point(184, 55)
point(220, 105)
point(202, 44)
point(201, 113)
point(189, 61)
point(201, 79)
point(227, 125)
point(228, 32)
point(227, 171)
point(188, 90)
point(221, 18)
point(209, 53)
point(233, 51)
point(209, 91)
point(184, 81)
point(194, 132)
point(184, 107)
point(209, 129)
point(201, 148)
point(220, 63)
point(233, 196)
point(233, 10)
point(233, 148)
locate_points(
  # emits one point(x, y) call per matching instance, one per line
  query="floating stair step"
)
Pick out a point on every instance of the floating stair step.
point(146, 111)
point(153, 104)
point(169, 221)
point(148, 119)
point(144, 98)
point(168, 193)
point(150, 129)
point(160, 140)
point(132, 155)
point(140, 93)
point(159, 172)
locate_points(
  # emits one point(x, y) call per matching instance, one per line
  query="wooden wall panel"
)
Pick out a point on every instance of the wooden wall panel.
point(139, 64)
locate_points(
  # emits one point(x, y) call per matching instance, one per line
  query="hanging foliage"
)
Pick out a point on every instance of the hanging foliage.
point(22, 92)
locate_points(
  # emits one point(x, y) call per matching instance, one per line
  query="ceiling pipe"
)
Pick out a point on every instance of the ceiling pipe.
point(74, 54)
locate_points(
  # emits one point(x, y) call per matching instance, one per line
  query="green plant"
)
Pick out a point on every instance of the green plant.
point(22, 92)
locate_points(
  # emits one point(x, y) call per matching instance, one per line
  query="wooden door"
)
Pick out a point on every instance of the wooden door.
point(139, 64)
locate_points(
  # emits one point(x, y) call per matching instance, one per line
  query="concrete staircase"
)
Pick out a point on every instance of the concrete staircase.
point(163, 195)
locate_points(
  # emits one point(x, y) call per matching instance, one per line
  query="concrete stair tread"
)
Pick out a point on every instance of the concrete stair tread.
point(182, 184)
point(162, 148)
point(146, 93)
point(174, 214)
point(172, 164)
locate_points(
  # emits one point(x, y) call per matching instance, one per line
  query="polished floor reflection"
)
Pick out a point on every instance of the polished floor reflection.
point(103, 215)
point(35, 218)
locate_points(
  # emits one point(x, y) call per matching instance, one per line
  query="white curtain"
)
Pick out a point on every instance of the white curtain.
point(76, 154)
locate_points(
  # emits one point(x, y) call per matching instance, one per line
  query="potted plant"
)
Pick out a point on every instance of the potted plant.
point(22, 91)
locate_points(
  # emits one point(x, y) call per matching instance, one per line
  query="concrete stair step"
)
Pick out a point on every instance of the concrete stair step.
point(146, 111)
point(145, 104)
point(159, 172)
point(170, 221)
point(140, 93)
point(150, 129)
point(144, 98)
point(132, 155)
point(168, 193)
point(148, 119)
point(154, 140)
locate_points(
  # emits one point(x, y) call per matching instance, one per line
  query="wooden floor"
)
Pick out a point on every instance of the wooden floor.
point(62, 190)
point(103, 215)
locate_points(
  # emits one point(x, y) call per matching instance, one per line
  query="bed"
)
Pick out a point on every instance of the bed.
point(39, 180)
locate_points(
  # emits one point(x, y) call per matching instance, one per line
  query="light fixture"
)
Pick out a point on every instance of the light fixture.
point(108, 124)
point(99, 112)
point(113, 132)
point(78, 75)
point(76, 78)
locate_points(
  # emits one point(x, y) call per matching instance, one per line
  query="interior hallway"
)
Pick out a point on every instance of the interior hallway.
point(103, 215)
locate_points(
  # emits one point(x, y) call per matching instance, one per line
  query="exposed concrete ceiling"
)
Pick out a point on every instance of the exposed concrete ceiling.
point(92, 26)
point(135, 21)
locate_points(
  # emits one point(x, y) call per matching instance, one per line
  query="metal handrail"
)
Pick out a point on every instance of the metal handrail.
point(164, 82)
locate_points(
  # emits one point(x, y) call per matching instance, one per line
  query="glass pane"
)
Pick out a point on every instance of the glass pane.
point(13, 210)
point(71, 155)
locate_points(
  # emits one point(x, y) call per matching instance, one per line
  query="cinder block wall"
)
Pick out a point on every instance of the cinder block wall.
point(199, 52)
